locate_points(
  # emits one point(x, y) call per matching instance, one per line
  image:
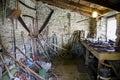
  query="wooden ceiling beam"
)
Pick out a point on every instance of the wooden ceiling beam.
point(66, 5)
point(83, 7)
point(106, 3)
point(106, 10)
point(77, 5)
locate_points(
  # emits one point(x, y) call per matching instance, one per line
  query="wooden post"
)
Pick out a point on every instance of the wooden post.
point(87, 57)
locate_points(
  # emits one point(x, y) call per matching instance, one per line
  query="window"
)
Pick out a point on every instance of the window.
point(111, 28)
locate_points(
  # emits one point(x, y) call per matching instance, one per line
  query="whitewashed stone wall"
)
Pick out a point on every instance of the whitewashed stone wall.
point(59, 23)
point(6, 30)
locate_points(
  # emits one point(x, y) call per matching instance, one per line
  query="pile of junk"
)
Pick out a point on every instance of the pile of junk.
point(23, 65)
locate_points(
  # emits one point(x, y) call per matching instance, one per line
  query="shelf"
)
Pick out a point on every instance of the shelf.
point(116, 68)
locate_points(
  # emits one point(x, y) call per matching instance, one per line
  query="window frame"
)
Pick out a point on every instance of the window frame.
point(113, 16)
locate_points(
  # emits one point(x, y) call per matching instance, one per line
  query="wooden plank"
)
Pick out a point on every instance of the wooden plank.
point(109, 56)
point(95, 53)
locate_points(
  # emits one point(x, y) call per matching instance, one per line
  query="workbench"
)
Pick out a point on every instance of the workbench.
point(101, 56)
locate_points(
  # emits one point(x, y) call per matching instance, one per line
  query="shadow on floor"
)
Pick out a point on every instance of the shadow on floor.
point(71, 68)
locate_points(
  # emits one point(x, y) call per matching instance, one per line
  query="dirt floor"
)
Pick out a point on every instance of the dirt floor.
point(71, 69)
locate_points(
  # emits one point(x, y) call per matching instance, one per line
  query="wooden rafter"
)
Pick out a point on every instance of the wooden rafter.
point(66, 6)
point(73, 6)
point(115, 5)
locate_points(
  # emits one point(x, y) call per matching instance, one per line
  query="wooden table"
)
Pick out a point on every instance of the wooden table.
point(101, 56)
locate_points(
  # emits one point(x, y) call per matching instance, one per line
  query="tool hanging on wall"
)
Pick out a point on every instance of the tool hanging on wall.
point(4, 7)
point(22, 36)
point(33, 46)
point(16, 7)
point(15, 14)
point(33, 27)
point(82, 20)
point(69, 25)
point(62, 39)
point(14, 38)
point(46, 21)
point(54, 41)
point(33, 34)
point(23, 23)
point(26, 5)
point(3, 11)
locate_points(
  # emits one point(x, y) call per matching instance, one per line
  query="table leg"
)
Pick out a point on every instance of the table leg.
point(99, 65)
point(87, 57)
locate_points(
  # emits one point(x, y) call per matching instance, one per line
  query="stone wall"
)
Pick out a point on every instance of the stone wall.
point(63, 22)
point(6, 29)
